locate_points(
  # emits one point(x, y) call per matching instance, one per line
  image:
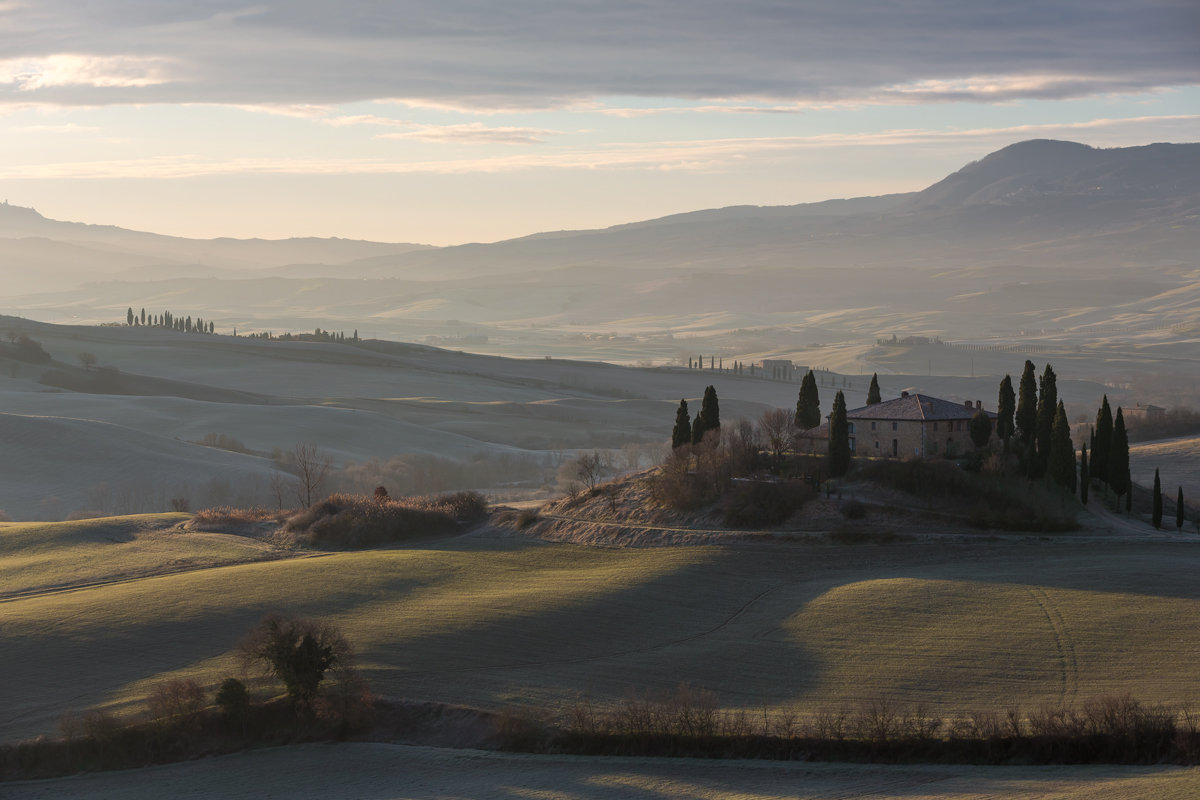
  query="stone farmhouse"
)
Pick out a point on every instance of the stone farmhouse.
point(910, 426)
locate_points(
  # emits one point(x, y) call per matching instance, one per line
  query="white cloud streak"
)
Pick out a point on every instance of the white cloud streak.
point(699, 155)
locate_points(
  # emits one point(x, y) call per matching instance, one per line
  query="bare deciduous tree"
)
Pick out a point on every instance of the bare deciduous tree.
point(88, 360)
point(312, 467)
point(278, 487)
point(778, 430)
point(589, 468)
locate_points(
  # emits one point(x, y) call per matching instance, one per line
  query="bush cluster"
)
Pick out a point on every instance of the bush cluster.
point(1114, 729)
point(990, 501)
point(759, 504)
point(348, 521)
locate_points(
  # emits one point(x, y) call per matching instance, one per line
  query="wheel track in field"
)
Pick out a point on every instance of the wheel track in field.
point(615, 654)
point(1067, 658)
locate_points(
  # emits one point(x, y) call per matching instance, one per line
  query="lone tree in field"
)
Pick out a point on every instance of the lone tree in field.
point(1061, 463)
point(589, 468)
point(129, 317)
point(808, 405)
point(873, 395)
point(681, 434)
point(1118, 458)
point(1083, 476)
point(87, 360)
point(296, 651)
point(839, 438)
point(1156, 505)
point(1026, 415)
point(1006, 407)
point(980, 429)
point(1046, 411)
point(312, 468)
point(1104, 433)
point(1179, 510)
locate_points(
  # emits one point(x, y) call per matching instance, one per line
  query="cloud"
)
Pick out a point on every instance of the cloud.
point(472, 133)
point(98, 72)
point(538, 54)
point(702, 155)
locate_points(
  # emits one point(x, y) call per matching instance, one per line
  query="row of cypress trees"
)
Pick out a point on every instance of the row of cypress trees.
point(689, 431)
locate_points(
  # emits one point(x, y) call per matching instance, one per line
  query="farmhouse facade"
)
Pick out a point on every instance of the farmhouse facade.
point(910, 426)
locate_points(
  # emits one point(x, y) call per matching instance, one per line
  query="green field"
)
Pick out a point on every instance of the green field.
point(498, 622)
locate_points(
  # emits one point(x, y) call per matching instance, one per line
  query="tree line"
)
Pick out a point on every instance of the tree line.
point(169, 321)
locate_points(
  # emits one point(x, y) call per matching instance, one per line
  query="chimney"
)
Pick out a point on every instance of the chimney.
point(979, 405)
point(967, 403)
point(904, 394)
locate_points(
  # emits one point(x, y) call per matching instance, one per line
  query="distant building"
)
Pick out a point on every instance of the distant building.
point(782, 370)
point(1144, 413)
point(910, 426)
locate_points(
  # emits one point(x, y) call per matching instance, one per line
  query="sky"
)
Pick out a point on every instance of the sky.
point(450, 121)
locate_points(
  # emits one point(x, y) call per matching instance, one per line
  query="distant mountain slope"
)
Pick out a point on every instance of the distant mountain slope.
point(127, 248)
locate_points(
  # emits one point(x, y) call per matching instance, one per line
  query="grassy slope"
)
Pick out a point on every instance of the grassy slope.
point(1178, 463)
point(384, 772)
point(38, 556)
point(509, 621)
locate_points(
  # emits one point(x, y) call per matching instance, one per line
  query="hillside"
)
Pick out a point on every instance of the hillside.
point(1046, 244)
point(780, 626)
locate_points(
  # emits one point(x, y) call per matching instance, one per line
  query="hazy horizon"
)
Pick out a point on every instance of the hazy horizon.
point(440, 124)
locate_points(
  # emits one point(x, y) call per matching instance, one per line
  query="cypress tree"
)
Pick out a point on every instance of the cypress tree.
point(1083, 476)
point(839, 438)
point(1061, 456)
point(1118, 457)
point(980, 429)
point(1179, 510)
point(1046, 412)
point(808, 404)
point(873, 396)
point(710, 410)
point(697, 429)
point(1156, 506)
point(1026, 415)
point(1006, 406)
point(1129, 494)
point(681, 434)
point(143, 316)
point(1104, 433)
point(129, 317)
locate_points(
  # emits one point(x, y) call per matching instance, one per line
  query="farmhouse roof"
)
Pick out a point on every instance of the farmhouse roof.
point(917, 407)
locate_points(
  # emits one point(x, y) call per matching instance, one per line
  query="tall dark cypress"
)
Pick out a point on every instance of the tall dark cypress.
point(1156, 505)
point(1061, 452)
point(839, 438)
point(1046, 410)
point(1104, 433)
point(873, 395)
point(1006, 407)
point(1083, 476)
point(808, 405)
point(710, 410)
point(681, 434)
point(1179, 510)
point(697, 429)
point(1026, 417)
point(1118, 457)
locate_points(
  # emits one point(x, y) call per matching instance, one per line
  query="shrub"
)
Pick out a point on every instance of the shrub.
point(354, 521)
point(176, 703)
point(756, 504)
point(227, 515)
point(853, 509)
point(988, 499)
point(297, 651)
point(234, 700)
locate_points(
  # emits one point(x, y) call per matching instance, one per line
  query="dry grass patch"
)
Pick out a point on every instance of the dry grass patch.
point(46, 556)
